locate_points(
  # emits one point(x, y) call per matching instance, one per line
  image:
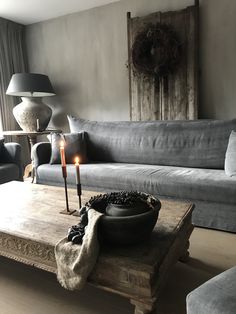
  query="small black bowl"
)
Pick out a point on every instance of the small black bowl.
point(127, 230)
point(122, 210)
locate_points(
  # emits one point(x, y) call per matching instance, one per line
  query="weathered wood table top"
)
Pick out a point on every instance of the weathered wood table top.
point(31, 225)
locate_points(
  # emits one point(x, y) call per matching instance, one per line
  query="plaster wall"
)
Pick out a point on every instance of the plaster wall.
point(85, 56)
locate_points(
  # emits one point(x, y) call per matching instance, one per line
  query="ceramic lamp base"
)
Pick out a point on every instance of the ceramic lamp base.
point(29, 110)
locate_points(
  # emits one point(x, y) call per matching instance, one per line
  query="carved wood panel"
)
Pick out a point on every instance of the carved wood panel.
point(174, 97)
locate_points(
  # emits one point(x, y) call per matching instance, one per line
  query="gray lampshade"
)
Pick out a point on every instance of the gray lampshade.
point(30, 85)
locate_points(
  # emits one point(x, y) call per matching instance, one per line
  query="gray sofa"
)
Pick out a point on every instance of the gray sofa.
point(181, 160)
point(10, 162)
point(217, 295)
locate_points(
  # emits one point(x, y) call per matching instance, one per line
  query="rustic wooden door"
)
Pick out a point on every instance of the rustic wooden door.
point(174, 97)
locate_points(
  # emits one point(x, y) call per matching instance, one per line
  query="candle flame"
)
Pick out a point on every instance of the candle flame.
point(77, 160)
point(61, 144)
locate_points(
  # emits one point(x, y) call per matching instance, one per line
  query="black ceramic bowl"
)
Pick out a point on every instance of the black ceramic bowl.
point(126, 230)
point(124, 210)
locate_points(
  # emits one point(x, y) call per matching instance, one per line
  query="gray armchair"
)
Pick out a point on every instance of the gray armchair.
point(10, 162)
point(216, 296)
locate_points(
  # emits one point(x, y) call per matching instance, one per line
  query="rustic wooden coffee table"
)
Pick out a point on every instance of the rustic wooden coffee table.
point(30, 226)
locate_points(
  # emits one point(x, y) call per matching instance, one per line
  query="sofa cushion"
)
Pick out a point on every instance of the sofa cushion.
point(216, 210)
point(230, 157)
point(200, 143)
point(75, 145)
point(178, 182)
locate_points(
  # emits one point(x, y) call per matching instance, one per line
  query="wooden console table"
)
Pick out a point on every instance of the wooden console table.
point(32, 139)
point(30, 226)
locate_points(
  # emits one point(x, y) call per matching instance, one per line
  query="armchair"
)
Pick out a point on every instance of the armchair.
point(10, 162)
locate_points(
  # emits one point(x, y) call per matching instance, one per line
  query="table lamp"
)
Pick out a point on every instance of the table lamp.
point(31, 114)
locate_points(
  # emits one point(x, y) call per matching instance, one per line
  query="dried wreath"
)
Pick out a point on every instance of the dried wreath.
point(156, 51)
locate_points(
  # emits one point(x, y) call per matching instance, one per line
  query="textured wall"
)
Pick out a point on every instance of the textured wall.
point(218, 59)
point(85, 54)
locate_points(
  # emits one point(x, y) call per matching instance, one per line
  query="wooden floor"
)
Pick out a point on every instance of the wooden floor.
point(25, 290)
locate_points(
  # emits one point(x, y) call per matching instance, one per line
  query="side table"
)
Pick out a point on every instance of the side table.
point(32, 139)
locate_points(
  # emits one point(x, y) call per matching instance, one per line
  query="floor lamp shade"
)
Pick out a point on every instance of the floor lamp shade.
point(31, 114)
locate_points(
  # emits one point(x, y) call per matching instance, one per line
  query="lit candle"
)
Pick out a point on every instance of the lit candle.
point(77, 170)
point(62, 152)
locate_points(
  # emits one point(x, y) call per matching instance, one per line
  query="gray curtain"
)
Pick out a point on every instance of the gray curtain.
point(12, 60)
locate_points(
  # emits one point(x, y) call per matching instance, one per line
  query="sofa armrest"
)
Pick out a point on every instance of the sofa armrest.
point(11, 153)
point(41, 153)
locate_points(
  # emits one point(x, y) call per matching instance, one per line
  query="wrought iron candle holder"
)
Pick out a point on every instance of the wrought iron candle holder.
point(78, 185)
point(66, 211)
point(79, 192)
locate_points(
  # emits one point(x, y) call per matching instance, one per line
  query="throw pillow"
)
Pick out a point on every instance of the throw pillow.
point(230, 156)
point(75, 145)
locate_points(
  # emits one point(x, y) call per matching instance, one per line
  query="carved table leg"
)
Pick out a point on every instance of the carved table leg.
point(141, 308)
point(185, 255)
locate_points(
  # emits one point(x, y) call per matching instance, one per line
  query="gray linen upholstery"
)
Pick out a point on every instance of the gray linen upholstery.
point(177, 182)
point(41, 154)
point(207, 188)
point(10, 163)
point(8, 172)
point(180, 160)
point(221, 216)
point(230, 157)
point(217, 295)
point(199, 143)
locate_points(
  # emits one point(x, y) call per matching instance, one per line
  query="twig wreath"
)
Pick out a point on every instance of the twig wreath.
point(155, 51)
